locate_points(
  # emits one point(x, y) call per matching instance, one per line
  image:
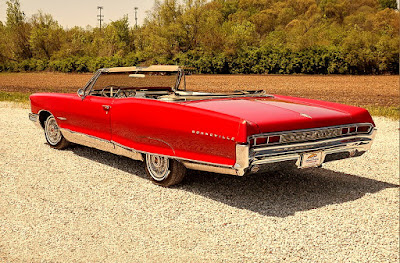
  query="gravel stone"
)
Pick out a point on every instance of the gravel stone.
point(85, 205)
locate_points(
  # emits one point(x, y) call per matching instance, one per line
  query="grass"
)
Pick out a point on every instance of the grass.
point(388, 111)
point(18, 97)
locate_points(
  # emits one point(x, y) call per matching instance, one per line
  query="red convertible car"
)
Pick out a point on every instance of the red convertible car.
point(147, 114)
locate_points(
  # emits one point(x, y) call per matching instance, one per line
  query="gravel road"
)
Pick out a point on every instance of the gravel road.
point(84, 205)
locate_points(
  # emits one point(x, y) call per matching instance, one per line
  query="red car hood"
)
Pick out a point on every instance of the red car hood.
point(284, 113)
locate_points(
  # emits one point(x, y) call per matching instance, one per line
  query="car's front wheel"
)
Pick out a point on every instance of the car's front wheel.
point(53, 134)
point(164, 171)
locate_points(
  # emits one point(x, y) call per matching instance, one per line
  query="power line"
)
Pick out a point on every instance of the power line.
point(100, 16)
point(136, 8)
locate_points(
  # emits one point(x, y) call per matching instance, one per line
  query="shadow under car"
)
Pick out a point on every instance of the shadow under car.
point(274, 193)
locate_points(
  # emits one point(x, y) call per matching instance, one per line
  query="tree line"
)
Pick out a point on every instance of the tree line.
point(217, 36)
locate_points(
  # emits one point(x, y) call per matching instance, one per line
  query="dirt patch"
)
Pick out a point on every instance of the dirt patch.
point(353, 90)
point(42, 82)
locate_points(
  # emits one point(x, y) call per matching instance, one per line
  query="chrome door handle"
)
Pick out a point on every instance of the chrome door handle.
point(106, 107)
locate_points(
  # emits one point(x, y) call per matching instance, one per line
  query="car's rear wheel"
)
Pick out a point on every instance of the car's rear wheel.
point(53, 134)
point(164, 171)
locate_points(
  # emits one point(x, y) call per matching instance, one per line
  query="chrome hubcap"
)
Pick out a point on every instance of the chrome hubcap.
point(158, 166)
point(53, 133)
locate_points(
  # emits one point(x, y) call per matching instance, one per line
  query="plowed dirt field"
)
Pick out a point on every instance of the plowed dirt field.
point(354, 90)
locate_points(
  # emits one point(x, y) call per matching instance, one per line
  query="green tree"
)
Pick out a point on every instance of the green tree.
point(18, 30)
point(4, 45)
point(217, 36)
point(117, 37)
point(191, 22)
point(239, 36)
point(46, 36)
point(388, 4)
point(211, 37)
point(76, 42)
point(162, 32)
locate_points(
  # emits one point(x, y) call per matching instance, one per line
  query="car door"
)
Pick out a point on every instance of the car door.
point(90, 116)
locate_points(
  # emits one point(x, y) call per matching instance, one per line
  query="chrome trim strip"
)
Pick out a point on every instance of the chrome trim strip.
point(119, 149)
point(286, 157)
point(209, 168)
point(98, 143)
point(128, 153)
point(305, 130)
point(243, 159)
point(62, 118)
point(350, 146)
point(309, 144)
point(174, 157)
point(314, 134)
point(295, 156)
point(87, 140)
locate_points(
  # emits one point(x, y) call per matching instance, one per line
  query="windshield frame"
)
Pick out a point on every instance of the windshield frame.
point(180, 73)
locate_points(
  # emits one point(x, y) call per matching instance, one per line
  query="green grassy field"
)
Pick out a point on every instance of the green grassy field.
point(14, 97)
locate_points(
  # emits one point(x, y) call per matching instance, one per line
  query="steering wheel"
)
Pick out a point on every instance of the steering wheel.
point(120, 94)
point(103, 93)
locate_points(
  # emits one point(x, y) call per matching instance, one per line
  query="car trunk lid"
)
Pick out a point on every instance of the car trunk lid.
point(276, 114)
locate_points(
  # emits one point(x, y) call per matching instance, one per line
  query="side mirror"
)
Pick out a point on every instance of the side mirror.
point(81, 93)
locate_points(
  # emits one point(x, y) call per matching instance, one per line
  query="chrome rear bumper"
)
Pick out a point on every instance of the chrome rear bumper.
point(332, 149)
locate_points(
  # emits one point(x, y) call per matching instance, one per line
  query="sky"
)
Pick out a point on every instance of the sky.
point(72, 13)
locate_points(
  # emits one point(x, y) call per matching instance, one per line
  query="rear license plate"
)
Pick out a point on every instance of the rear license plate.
point(312, 159)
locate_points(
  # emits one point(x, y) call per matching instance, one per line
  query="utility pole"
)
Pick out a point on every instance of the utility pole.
point(136, 8)
point(100, 16)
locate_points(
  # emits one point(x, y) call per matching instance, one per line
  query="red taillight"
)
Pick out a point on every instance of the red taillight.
point(363, 129)
point(352, 129)
point(273, 139)
point(261, 141)
point(265, 140)
point(345, 130)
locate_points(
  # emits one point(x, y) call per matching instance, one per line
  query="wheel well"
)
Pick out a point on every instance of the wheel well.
point(43, 115)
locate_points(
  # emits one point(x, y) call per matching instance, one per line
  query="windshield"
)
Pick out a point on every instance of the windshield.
point(137, 80)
